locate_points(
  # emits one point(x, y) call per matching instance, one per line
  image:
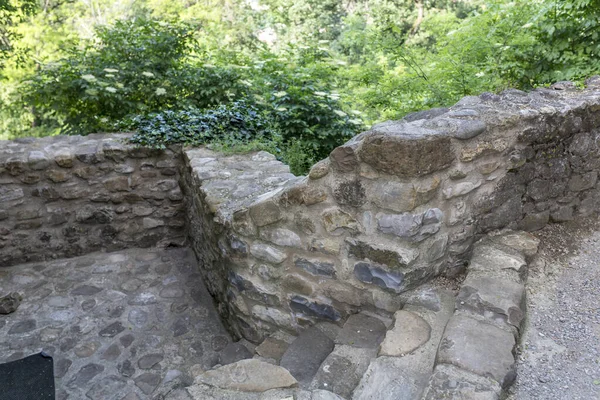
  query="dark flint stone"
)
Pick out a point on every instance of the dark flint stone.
point(369, 273)
point(313, 309)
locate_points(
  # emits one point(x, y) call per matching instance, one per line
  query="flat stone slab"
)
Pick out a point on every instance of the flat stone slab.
point(449, 382)
point(248, 376)
point(495, 262)
point(343, 369)
point(103, 320)
point(234, 352)
point(498, 300)
point(272, 348)
point(480, 348)
point(202, 391)
point(409, 332)
point(390, 378)
point(305, 355)
point(523, 242)
point(361, 330)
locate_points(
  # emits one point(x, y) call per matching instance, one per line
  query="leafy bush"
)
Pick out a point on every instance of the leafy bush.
point(236, 123)
point(134, 67)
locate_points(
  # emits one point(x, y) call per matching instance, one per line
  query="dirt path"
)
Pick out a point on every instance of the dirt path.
point(560, 349)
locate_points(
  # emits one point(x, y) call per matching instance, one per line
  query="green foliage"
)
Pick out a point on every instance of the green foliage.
point(321, 71)
point(11, 13)
point(231, 124)
point(135, 67)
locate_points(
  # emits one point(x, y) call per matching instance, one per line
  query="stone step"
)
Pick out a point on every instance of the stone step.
point(401, 371)
point(489, 260)
point(523, 242)
point(202, 391)
point(500, 301)
point(306, 354)
point(248, 376)
point(480, 348)
point(450, 382)
point(343, 369)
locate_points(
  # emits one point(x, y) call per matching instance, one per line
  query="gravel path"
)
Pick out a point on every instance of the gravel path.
point(560, 350)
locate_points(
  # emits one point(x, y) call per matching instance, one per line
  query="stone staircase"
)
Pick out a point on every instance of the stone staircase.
point(438, 346)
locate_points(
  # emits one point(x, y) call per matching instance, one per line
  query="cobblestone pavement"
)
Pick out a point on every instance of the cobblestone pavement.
point(128, 325)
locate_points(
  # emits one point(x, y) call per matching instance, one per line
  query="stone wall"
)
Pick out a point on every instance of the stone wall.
point(388, 211)
point(400, 204)
point(65, 196)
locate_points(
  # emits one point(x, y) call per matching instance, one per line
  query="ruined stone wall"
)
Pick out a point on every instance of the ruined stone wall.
point(404, 202)
point(388, 211)
point(69, 195)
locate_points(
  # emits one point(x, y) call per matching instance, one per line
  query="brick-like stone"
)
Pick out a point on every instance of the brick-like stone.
point(396, 150)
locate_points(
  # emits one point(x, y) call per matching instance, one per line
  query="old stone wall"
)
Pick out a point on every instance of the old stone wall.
point(403, 203)
point(388, 211)
point(65, 196)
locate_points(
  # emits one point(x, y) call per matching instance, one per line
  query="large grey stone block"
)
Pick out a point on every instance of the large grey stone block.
point(305, 355)
point(480, 348)
point(496, 299)
point(343, 369)
point(449, 382)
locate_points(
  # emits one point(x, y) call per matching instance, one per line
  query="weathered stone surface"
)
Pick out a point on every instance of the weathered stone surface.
point(362, 331)
point(85, 374)
point(479, 348)
point(371, 273)
point(234, 352)
point(460, 189)
point(408, 334)
point(415, 227)
point(389, 378)
point(535, 221)
point(395, 196)
point(351, 193)
point(147, 382)
point(319, 170)
point(10, 302)
point(449, 382)
point(112, 330)
point(106, 388)
point(22, 327)
point(9, 194)
point(495, 299)
point(265, 213)
point(281, 237)
point(316, 267)
point(314, 309)
point(335, 218)
point(494, 262)
point(272, 348)
point(249, 376)
point(394, 256)
point(267, 253)
point(343, 159)
point(305, 355)
point(523, 242)
point(341, 371)
point(150, 360)
point(396, 151)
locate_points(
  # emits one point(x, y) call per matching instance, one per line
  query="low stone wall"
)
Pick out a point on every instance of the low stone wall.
point(69, 195)
point(388, 211)
point(400, 204)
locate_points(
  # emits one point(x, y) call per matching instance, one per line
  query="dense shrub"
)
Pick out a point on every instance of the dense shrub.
point(134, 67)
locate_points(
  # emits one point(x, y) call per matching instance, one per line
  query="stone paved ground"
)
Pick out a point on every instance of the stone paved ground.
point(127, 325)
point(560, 357)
